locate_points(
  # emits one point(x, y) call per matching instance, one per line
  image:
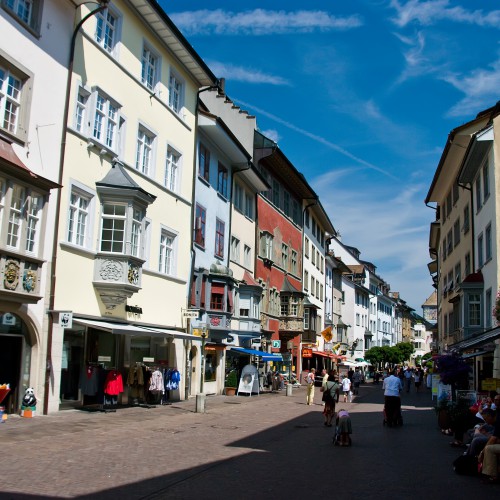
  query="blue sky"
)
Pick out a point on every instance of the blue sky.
point(360, 95)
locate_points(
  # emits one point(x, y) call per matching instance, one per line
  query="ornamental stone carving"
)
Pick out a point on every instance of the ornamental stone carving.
point(29, 280)
point(133, 274)
point(111, 270)
point(11, 274)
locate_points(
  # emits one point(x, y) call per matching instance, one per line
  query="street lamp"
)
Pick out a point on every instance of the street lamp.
point(203, 339)
point(200, 398)
point(289, 346)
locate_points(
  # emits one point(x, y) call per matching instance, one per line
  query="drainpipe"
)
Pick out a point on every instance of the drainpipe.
point(187, 343)
point(50, 331)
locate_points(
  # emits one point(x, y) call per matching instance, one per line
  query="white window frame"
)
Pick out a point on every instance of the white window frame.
point(173, 165)
point(106, 121)
point(150, 67)
point(167, 258)
point(27, 12)
point(247, 256)
point(136, 232)
point(238, 197)
point(75, 236)
point(235, 249)
point(103, 17)
point(3, 187)
point(14, 99)
point(145, 152)
point(176, 89)
point(266, 245)
point(81, 123)
point(16, 210)
point(114, 217)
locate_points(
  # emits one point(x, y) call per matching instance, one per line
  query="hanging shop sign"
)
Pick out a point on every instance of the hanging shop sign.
point(307, 352)
point(276, 344)
point(190, 313)
point(66, 319)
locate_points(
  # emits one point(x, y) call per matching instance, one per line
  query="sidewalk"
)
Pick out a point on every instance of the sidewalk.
point(269, 446)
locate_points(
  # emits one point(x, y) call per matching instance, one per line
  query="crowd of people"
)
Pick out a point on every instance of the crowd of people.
point(478, 431)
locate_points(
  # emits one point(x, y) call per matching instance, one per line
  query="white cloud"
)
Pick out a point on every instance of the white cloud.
point(432, 11)
point(271, 134)
point(260, 22)
point(417, 64)
point(480, 87)
point(388, 223)
point(248, 75)
point(319, 139)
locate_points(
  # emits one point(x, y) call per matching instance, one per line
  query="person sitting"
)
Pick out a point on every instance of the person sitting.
point(490, 453)
point(482, 433)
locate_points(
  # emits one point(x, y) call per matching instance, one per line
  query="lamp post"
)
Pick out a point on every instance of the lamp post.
point(203, 339)
point(200, 398)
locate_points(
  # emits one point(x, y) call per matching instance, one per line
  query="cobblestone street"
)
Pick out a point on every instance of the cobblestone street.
point(267, 446)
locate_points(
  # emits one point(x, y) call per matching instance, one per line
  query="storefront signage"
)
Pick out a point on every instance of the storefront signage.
point(8, 319)
point(66, 319)
point(148, 360)
point(133, 309)
point(190, 313)
point(490, 384)
point(103, 359)
point(307, 353)
point(276, 344)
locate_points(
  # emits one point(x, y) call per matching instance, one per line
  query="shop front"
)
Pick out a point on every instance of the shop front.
point(106, 365)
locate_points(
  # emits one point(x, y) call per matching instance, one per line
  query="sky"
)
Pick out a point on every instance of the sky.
point(360, 96)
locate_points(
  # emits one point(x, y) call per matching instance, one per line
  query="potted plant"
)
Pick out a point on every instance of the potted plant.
point(453, 371)
point(231, 383)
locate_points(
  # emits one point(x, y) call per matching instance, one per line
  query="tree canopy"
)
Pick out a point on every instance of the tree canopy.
point(392, 355)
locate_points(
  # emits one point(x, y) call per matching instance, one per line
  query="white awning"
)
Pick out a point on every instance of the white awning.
point(132, 330)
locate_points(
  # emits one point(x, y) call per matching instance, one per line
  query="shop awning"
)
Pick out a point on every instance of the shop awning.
point(478, 353)
point(132, 330)
point(476, 341)
point(323, 354)
point(266, 356)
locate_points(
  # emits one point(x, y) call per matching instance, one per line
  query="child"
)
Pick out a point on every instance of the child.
point(344, 427)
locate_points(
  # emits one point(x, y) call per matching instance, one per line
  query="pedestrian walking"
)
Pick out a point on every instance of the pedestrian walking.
point(346, 388)
point(392, 400)
point(329, 391)
point(356, 380)
point(417, 376)
point(408, 377)
point(310, 386)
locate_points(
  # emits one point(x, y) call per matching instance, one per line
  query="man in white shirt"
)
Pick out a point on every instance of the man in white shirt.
point(346, 388)
point(392, 387)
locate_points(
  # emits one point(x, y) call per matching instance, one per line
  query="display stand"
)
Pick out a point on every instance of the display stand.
point(3, 395)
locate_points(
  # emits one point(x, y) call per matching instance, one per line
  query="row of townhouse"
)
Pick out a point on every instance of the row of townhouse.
point(147, 225)
point(463, 245)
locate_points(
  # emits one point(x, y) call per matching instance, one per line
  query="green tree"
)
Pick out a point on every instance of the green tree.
point(405, 349)
point(374, 356)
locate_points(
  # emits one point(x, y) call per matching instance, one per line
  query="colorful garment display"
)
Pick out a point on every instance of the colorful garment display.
point(114, 383)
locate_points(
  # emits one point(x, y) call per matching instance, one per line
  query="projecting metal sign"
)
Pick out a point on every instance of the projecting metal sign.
point(190, 313)
point(276, 344)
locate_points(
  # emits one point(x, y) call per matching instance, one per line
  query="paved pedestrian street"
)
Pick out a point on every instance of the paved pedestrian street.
point(264, 447)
